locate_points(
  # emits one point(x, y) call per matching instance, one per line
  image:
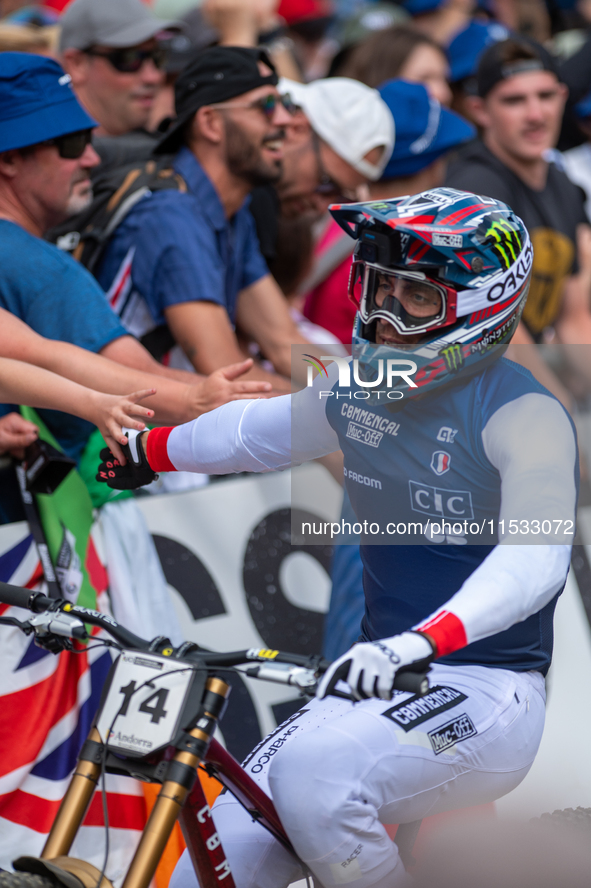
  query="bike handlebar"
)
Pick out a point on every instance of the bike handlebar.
point(25, 598)
point(17, 596)
point(38, 603)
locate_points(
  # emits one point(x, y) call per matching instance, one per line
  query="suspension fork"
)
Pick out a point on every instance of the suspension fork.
point(76, 800)
point(181, 778)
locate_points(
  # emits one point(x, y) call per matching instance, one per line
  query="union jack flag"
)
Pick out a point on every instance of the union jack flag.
point(47, 704)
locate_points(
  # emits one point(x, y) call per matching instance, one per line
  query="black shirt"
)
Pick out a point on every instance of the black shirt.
point(551, 216)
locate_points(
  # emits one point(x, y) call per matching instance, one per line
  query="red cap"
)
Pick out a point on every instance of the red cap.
point(294, 11)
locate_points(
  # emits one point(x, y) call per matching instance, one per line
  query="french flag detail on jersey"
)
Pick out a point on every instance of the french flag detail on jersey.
point(440, 462)
point(447, 631)
point(47, 704)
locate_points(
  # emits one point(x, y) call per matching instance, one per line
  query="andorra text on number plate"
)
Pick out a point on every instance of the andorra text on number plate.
point(144, 703)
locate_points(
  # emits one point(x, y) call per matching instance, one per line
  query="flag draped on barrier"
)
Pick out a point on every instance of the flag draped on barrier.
point(47, 702)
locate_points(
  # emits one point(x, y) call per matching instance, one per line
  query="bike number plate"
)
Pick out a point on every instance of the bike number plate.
point(144, 703)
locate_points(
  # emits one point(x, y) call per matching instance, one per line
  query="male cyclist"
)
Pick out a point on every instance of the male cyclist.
point(467, 437)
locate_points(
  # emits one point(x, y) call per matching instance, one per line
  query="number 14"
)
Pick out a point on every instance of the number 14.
point(153, 705)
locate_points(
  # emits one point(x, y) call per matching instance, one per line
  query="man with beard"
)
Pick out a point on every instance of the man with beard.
point(191, 261)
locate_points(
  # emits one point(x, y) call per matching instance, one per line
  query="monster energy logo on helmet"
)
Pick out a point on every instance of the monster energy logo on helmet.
point(505, 240)
point(452, 354)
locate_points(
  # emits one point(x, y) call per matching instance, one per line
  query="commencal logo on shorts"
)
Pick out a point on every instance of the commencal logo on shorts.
point(416, 710)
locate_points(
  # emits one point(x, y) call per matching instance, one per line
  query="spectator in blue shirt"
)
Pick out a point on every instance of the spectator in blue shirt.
point(192, 260)
point(45, 153)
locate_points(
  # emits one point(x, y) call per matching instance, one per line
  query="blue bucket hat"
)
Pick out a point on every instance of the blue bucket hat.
point(465, 49)
point(37, 101)
point(424, 128)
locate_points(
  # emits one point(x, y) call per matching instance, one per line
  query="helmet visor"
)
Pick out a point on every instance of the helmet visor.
point(405, 299)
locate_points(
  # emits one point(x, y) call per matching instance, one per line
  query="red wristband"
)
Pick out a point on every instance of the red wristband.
point(447, 631)
point(157, 450)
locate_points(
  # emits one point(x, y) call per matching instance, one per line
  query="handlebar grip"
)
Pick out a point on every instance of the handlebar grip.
point(411, 682)
point(19, 597)
point(415, 682)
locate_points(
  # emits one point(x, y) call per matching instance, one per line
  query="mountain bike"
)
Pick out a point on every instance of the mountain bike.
point(156, 720)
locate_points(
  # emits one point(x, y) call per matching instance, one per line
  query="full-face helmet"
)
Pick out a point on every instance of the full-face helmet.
point(445, 270)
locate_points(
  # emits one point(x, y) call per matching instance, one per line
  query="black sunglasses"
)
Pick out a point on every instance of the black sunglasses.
point(129, 61)
point(72, 145)
point(267, 104)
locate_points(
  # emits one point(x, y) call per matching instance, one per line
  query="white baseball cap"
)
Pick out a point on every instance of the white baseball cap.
point(350, 117)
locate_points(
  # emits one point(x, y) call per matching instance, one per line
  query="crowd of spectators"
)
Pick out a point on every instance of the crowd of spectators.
point(166, 169)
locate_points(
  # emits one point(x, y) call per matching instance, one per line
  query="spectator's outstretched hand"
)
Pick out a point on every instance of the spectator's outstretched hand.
point(16, 433)
point(225, 385)
point(112, 413)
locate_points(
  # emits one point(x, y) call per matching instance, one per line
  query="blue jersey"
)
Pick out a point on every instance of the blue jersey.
point(424, 464)
point(495, 447)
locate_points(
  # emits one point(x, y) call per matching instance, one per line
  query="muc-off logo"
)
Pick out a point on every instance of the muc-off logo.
point(453, 732)
point(390, 373)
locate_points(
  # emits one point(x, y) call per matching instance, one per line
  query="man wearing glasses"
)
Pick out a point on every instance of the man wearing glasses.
point(45, 156)
point(192, 261)
point(111, 51)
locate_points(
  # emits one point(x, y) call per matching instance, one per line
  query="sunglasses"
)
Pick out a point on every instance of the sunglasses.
point(267, 105)
point(72, 145)
point(129, 61)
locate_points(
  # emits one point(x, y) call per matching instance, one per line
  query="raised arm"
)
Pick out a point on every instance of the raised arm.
point(246, 436)
point(173, 401)
point(205, 333)
point(25, 384)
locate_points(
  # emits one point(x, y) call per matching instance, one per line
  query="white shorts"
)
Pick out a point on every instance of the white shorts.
point(338, 771)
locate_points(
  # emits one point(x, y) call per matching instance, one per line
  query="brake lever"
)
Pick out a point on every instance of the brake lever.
point(58, 623)
point(340, 675)
point(23, 625)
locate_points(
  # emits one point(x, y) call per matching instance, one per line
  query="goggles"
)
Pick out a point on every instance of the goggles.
point(129, 61)
point(72, 145)
point(406, 299)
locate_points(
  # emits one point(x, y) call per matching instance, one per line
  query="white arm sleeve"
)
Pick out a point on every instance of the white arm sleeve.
point(532, 444)
point(511, 584)
point(256, 436)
